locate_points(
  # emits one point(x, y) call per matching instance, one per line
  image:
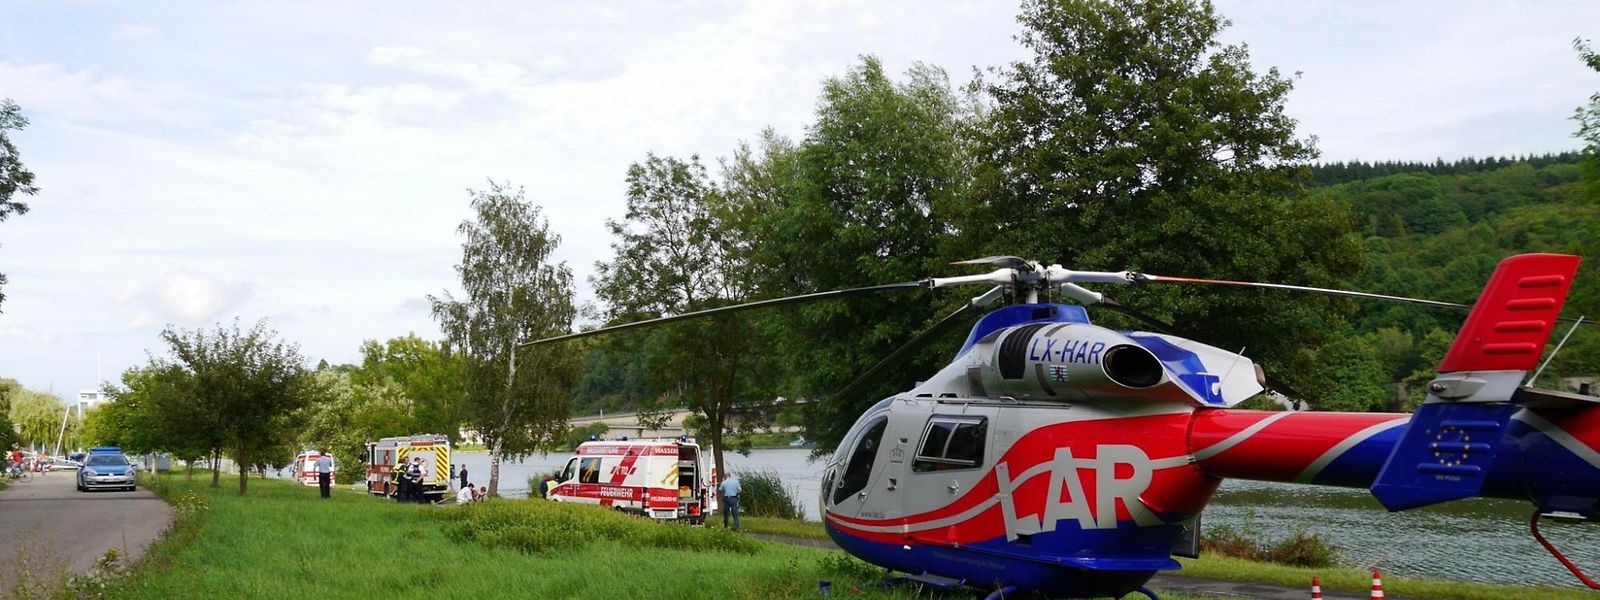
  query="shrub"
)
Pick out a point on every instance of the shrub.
point(1303, 550)
point(763, 494)
point(1300, 550)
point(1230, 542)
point(540, 527)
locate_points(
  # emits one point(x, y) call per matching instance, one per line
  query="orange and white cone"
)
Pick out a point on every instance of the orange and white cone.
point(1316, 589)
point(1377, 585)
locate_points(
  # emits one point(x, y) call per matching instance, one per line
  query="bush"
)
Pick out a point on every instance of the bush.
point(540, 527)
point(1299, 550)
point(1304, 550)
point(763, 494)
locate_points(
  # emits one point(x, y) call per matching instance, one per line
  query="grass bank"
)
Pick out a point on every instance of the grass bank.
point(282, 541)
point(1216, 566)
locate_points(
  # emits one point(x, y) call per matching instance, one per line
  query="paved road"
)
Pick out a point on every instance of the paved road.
point(48, 524)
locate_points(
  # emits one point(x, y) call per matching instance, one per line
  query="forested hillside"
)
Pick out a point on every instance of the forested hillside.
point(1436, 231)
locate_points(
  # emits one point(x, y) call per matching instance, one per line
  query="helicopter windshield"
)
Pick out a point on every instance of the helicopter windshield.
point(860, 466)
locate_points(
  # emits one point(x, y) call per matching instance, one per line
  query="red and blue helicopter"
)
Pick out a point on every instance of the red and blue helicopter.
point(1059, 457)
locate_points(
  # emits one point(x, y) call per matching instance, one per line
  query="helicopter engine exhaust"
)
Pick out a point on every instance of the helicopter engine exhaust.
point(1132, 366)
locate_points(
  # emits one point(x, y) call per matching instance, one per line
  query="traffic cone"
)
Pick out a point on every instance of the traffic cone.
point(1377, 585)
point(1316, 589)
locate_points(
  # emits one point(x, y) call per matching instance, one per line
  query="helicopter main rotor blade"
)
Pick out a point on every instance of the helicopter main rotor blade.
point(957, 318)
point(1004, 262)
point(1147, 278)
point(724, 310)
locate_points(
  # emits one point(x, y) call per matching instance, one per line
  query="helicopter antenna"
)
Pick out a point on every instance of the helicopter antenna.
point(1552, 356)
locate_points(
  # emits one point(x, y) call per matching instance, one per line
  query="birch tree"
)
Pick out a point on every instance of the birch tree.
point(514, 292)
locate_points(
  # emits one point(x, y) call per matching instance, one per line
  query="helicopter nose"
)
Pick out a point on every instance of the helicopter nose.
point(1132, 366)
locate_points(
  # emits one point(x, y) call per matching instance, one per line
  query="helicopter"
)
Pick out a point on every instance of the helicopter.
point(1057, 457)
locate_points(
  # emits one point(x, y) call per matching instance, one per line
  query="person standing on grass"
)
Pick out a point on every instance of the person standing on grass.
point(325, 473)
point(463, 474)
point(730, 499)
point(418, 494)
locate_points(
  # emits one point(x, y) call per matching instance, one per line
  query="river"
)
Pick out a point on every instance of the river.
point(1472, 540)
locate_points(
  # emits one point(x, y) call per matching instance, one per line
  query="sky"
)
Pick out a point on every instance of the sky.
point(308, 163)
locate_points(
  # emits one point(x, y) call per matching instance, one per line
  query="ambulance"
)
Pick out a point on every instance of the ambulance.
point(305, 466)
point(384, 454)
point(660, 479)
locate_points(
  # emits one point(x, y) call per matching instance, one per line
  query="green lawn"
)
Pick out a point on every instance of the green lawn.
point(282, 541)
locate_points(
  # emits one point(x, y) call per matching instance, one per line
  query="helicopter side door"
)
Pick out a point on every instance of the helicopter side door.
point(951, 449)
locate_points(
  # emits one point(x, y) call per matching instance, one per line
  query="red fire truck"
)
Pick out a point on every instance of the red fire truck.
point(661, 479)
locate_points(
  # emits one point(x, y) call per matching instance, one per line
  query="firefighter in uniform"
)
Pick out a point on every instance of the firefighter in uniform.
point(402, 492)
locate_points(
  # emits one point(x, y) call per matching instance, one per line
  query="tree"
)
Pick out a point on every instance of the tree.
point(1133, 139)
point(347, 414)
point(1588, 116)
point(15, 179)
point(430, 377)
point(9, 388)
point(155, 408)
point(672, 257)
point(38, 417)
point(865, 198)
point(250, 383)
point(514, 294)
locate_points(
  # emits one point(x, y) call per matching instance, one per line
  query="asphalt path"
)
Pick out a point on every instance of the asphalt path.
point(47, 525)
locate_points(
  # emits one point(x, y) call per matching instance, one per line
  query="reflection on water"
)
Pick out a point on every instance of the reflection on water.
point(1472, 540)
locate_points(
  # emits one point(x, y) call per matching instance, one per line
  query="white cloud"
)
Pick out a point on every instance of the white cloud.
point(184, 299)
point(321, 151)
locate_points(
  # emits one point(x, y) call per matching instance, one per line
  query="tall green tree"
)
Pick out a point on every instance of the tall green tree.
point(249, 381)
point(430, 377)
point(1132, 138)
point(347, 413)
point(515, 293)
point(9, 388)
point(15, 179)
point(38, 417)
point(673, 257)
point(156, 408)
point(864, 198)
point(1588, 116)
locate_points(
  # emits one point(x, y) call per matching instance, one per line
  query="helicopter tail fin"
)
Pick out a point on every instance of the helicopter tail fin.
point(1450, 443)
point(1514, 317)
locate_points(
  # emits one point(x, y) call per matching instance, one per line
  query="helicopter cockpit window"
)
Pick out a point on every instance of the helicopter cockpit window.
point(952, 443)
point(860, 465)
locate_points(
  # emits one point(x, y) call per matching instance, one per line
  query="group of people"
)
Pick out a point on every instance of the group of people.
point(18, 462)
point(467, 492)
point(408, 477)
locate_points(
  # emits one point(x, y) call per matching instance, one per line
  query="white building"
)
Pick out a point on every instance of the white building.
point(88, 399)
